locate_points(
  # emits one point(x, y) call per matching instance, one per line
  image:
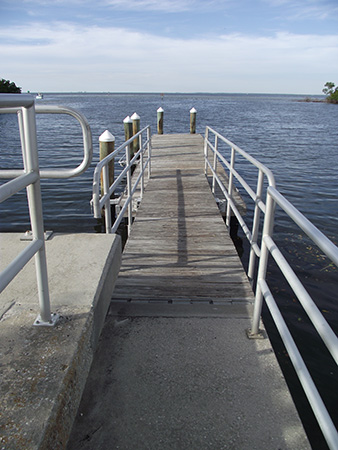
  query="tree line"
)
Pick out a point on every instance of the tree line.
point(9, 87)
point(331, 92)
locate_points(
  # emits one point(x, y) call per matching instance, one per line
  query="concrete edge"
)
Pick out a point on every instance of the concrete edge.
point(59, 423)
point(106, 286)
point(124, 309)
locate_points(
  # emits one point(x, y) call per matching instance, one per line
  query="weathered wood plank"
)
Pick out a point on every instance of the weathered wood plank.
point(179, 249)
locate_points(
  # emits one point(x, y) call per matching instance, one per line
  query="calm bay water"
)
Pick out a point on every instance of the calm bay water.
point(297, 140)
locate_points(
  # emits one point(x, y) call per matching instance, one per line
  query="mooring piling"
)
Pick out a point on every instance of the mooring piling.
point(107, 146)
point(128, 132)
point(136, 128)
point(193, 121)
point(160, 112)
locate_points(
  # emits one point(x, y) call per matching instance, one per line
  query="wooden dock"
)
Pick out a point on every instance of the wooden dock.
point(179, 249)
point(174, 368)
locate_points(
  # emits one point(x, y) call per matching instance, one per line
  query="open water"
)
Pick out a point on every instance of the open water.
point(297, 140)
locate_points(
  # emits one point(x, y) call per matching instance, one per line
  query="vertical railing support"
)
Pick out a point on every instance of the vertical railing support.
point(149, 151)
point(129, 196)
point(142, 168)
point(255, 227)
point(193, 121)
point(31, 164)
point(136, 128)
point(206, 148)
point(214, 165)
point(160, 113)
point(263, 263)
point(107, 207)
point(230, 187)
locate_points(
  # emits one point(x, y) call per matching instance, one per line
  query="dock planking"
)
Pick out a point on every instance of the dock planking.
point(179, 249)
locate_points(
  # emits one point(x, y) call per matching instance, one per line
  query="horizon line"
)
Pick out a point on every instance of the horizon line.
point(168, 93)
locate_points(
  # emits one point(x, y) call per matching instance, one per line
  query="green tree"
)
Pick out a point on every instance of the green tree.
point(331, 92)
point(8, 87)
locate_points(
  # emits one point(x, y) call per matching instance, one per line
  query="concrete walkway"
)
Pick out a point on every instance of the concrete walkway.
point(174, 368)
point(43, 370)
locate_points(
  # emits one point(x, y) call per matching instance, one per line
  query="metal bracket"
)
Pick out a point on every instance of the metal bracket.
point(28, 235)
point(260, 335)
point(54, 318)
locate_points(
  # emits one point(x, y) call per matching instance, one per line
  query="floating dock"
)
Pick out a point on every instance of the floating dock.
point(174, 367)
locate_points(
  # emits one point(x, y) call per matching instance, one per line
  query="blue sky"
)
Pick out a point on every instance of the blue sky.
point(263, 46)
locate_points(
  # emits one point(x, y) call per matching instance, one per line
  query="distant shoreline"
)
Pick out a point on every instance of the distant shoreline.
point(312, 100)
point(243, 94)
point(316, 100)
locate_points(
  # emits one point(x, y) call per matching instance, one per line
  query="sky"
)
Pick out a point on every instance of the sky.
point(242, 46)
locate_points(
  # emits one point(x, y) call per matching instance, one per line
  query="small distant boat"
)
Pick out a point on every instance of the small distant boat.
point(39, 96)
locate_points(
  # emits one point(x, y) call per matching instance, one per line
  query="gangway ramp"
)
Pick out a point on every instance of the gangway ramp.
point(179, 250)
point(174, 368)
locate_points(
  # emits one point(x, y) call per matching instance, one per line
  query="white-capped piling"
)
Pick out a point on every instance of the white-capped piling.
point(128, 132)
point(107, 146)
point(193, 121)
point(160, 112)
point(136, 128)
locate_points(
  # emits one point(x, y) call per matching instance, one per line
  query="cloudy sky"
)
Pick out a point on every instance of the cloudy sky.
point(257, 46)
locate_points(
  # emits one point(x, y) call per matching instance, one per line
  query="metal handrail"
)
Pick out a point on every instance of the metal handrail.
point(268, 246)
point(29, 177)
point(86, 136)
point(103, 200)
point(263, 173)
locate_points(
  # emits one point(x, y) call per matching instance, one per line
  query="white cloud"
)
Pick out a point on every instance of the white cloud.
point(153, 5)
point(67, 57)
point(135, 5)
point(304, 10)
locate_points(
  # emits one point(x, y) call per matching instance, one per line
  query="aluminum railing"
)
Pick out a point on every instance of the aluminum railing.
point(268, 246)
point(264, 174)
point(29, 177)
point(103, 200)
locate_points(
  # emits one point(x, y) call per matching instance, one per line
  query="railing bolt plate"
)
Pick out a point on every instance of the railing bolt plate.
point(260, 335)
point(54, 318)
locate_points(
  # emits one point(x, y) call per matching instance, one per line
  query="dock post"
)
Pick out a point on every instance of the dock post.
point(136, 128)
point(160, 112)
point(107, 146)
point(193, 121)
point(128, 131)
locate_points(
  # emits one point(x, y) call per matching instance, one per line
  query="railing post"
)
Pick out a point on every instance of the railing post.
point(215, 165)
point(136, 128)
point(149, 151)
point(107, 207)
point(31, 164)
point(142, 168)
point(160, 112)
point(230, 187)
point(128, 128)
point(193, 121)
point(255, 226)
point(107, 146)
point(263, 263)
point(129, 196)
point(206, 138)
